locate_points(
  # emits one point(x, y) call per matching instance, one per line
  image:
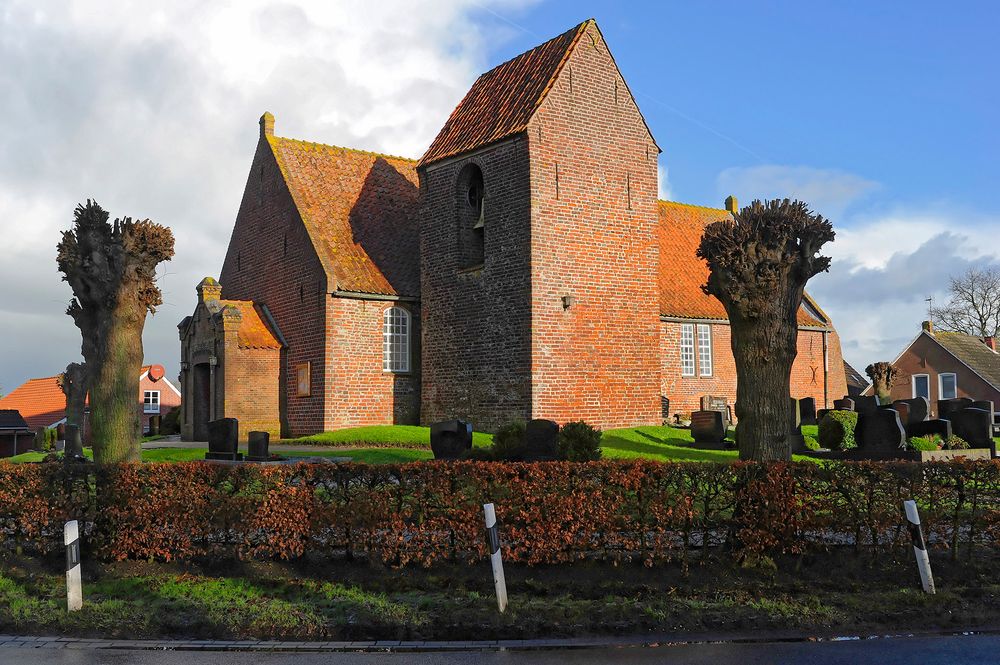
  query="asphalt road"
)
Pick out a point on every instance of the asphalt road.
point(901, 651)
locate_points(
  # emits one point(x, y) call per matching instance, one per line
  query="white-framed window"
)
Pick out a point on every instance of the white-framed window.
point(396, 340)
point(921, 386)
point(947, 386)
point(704, 349)
point(151, 401)
point(687, 349)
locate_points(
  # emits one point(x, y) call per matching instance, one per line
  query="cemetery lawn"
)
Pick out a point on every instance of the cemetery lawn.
point(315, 599)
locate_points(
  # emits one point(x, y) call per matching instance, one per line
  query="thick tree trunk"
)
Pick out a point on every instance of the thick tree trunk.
point(764, 353)
point(116, 420)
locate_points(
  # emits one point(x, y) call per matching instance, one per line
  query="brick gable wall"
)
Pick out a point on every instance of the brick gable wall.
point(926, 356)
point(271, 260)
point(476, 322)
point(593, 238)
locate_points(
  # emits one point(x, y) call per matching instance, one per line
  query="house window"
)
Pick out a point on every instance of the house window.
point(471, 216)
point(687, 349)
point(921, 386)
point(947, 386)
point(704, 349)
point(151, 401)
point(396, 340)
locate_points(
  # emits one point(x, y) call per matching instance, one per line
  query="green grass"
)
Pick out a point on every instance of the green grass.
point(401, 436)
point(664, 444)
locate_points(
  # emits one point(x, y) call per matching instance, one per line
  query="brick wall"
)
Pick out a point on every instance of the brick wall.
point(359, 392)
point(250, 384)
point(593, 238)
point(685, 392)
point(476, 322)
point(925, 356)
point(271, 260)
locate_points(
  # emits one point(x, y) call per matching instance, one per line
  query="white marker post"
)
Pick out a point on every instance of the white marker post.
point(493, 542)
point(74, 588)
point(919, 547)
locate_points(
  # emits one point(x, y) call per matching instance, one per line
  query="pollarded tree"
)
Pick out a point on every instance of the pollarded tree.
point(759, 264)
point(883, 375)
point(111, 268)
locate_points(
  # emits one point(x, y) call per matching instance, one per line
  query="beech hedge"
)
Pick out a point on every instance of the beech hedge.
point(549, 512)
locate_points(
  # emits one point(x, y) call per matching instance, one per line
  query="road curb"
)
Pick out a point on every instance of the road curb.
point(388, 646)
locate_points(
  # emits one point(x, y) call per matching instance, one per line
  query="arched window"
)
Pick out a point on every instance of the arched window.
point(396, 340)
point(471, 215)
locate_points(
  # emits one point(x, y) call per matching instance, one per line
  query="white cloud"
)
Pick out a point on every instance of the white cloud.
point(153, 113)
point(827, 191)
point(664, 191)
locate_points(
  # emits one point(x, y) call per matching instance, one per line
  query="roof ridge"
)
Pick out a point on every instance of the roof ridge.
point(341, 147)
point(691, 205)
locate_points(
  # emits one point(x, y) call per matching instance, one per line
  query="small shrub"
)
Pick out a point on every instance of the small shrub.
point(811, 442)
point(171, 422)
point(579, 442)
point(923, 443)
point(45, 439)
point(836, 430)
point(508, 442)
point(956, 443)
point(479, 455)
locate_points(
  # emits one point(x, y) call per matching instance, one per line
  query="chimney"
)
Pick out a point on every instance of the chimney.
point(209, 290)
point(266, 125)
point(928, 327)
point(991, 342)
point(732, 205)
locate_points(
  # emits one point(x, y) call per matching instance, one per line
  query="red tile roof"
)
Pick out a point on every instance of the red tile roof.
point(40, 401)
point(360, 210)
point(502, 101)
point(253, 333)
point(682, 273)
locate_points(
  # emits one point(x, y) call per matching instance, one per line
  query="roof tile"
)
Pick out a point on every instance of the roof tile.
point(40, 401)
point(974, 353)
point(253, 333)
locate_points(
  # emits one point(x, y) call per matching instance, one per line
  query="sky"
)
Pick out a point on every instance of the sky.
point(881, 115)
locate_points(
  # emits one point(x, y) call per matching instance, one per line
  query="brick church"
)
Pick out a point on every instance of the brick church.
point(522, 268)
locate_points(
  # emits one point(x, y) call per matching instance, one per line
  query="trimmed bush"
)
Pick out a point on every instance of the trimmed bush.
point(579, 442)
point(508, 442)
point(836, 430)
point(171, 422)
point(955, 442)
point(925, 443)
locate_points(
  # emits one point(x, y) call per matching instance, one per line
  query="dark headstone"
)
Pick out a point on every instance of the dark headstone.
point(846, 404)
point(917, 410)
point(975, 426)
point(807, 411)
point(927, 427)
point(450, 439)
point(541, 440)
point(796, 440)
point(865, 403)
point(880, 434)
point(985, 405)
point(822, 413)
point(665, 409)
point(720, 404)
point(903, 409)
point(708, 427)
point(224, 439)
point(257, 443)
point(946, 406)
point(74, 444)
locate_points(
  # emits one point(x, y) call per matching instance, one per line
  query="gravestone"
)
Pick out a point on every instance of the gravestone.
point(865, 404)
point(985, 405)
point(224, 440)
point(665, 409)
point(720, 404)
point(807, 411)
point(846, 404)
point(880, 435)
point(154, 425)
point(822, 414)
point(903, 409)
point(73, 451)
point(257, 446)
point(541, 440)
point(927, 427)
point(450, 439)
point(796, 440)
point(918, 409)
point(708, 427)
point(975, 426)
point(946, 406)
